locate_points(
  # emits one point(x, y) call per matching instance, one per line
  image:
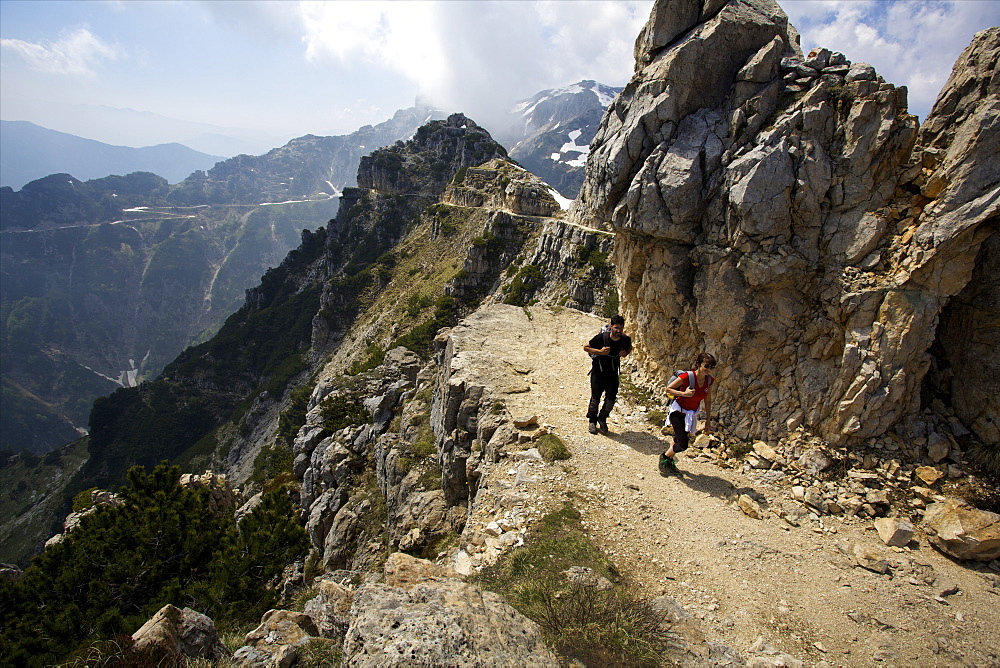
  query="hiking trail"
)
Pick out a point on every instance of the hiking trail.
point(748, 583)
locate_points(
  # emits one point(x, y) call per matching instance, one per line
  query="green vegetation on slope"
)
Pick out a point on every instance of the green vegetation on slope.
point(122, 564)
point(31, 505)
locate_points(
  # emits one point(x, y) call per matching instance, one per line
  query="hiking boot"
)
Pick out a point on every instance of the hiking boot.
point(668, 466)
point(593, 428)
point(604, 425)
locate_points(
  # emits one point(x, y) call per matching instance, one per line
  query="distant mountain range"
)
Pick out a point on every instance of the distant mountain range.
point(550, 132)
point(31, 152)
point(106, 279)
point(128, 127)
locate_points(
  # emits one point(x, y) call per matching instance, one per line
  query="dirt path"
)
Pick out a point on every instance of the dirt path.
point(745, 579)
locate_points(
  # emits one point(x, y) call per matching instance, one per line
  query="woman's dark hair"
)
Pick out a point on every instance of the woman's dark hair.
point(704, 357)
point(617, 320)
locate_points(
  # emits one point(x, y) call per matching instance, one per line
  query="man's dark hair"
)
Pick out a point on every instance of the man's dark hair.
point(617, 320)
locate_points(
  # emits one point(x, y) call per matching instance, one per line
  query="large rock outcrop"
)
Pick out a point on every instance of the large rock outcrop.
point(780, 211)
point(421, 616)
point(958, 147)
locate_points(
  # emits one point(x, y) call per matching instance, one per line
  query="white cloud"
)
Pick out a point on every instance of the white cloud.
point(397, 35)
point(77, 52)
point(474, 56)
point(910, 43)
point(594, 39)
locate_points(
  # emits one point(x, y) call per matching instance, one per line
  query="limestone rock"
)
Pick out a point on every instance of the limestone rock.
point(500, 184)
point(330, 608)
point(404, 571)
point(928, 474)
point(525, 421)
point(765, 451)
point(962, 531)
point(869, 560)
point(439, 622)
point(938, 447)
point(750, 507)
point(894, 531)
point(763, 227)
point(764, 655)
point(273, 643)
point(814, 460)
point(965, 115)
point(181, 634)
point(814, 498)
point(221, 497)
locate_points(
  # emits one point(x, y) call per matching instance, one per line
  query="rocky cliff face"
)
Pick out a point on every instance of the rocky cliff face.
point(955, 214)
point(779, 210)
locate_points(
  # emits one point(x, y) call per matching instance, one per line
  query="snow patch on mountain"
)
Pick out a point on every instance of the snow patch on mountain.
point(572, 153)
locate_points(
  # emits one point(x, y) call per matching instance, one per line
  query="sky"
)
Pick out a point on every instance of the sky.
point(285, 69)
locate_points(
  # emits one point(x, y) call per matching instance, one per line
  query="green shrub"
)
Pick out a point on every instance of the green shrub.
point(522, 288)
point(341, 410)
point(114, 571)
point(294, 416)
point(593, 258)
point(417, 303)
point(656, 417)
point(272, 460)
point(612, 302)
point(420, 338)
point(250, 559)
point(375, 357)
point(83, 500)
point(425, 445)
point(552, 448)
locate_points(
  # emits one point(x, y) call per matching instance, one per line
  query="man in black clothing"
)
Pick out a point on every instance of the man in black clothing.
point(606, 349)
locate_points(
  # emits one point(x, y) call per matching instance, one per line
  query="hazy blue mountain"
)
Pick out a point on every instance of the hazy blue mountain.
point(128, 127)
point(29, 152)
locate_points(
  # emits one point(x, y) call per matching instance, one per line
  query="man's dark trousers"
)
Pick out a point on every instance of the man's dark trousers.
point(606, 383)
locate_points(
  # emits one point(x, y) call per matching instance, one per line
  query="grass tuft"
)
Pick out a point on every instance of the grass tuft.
point(552, 448)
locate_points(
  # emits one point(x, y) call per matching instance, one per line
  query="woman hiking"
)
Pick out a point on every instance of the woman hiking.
point(689, 389)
